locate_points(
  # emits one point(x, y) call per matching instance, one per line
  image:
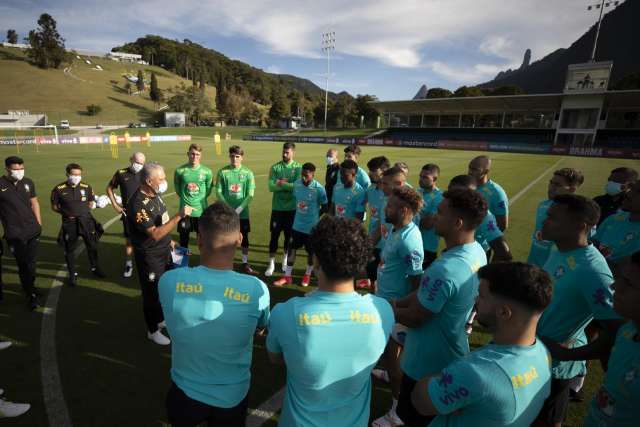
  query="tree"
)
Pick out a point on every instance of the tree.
point(190, 100)
point(438, 92)
point(235, 105)
point(629, 82)
point(465, 92)
point(343, 113)
point(93, 109)
point(279, 108)
point(366, 110)
point(504, 90)
point(140, 81)
point(12, 37)
point(47, 46)
point(154, 91)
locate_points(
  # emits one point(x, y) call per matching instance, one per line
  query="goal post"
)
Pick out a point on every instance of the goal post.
point(30, 135)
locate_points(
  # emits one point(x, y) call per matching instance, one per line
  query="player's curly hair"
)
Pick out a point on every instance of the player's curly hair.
point(341, 246)
point(409, 197)
point(571, 176)
point(468, 204)
point(525, 284)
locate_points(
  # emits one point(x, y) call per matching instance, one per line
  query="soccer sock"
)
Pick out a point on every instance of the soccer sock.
point(245, 258)
point(272, 260)
point(309, 270)
point(284, 258)
point(288, 270)
point(394, 405)
point(128, 263)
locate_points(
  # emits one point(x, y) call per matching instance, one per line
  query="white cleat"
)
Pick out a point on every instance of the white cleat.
point(128, 269)
point(390, 419)
point(162, 325)
point(270, 270)
point(5, 344)
point(10, 409)
point(284, 264)
point(158, 338)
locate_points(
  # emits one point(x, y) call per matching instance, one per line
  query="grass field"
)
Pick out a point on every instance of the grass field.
point(64, 94)
point(111, 374)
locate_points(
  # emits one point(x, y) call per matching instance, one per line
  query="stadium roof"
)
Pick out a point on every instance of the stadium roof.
point(537, 102)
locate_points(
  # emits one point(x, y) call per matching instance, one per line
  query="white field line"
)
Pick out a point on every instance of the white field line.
point(268, 409)
point(532, 183)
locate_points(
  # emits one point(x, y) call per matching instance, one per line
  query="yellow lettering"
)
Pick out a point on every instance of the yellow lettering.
point(245, 298)
point(189, 289)
point(517, 381)
point(301, 320)
point(236, 296)
point(355, 316)
point(315, 320)
point(227, 291)
point(198, 288)
point(366, 318)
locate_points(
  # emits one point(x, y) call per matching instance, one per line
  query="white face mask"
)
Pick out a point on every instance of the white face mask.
point(162, 188)
point(17, 174)
point(136, 167)
point(329, 161)
point(613, 188)
point(75, 179)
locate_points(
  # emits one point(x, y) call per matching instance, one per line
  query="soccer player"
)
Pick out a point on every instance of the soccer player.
point(74, 200)
point(193, 183)
point(505, 382)
point(22, 223)
point(431, 196)
point(487, 234)
point(393, 177)
point(333, 172)
point(563, 181)
point(282, 175)
point(330, 340)
point(236, 186)
point(311, 199)
point(212, 314)
point(619, 235)
point(353, 152)
point(150, 235)
point(436, 314)
point(128, 180)
point(479, 168)
point(617, 401)
point(400, 270)
point(349, 198)
point(619, 183)
point(375, 200)
point(581, 293)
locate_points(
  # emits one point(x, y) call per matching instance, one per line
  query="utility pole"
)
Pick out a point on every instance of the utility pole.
point(328, 45)
point(600, 6)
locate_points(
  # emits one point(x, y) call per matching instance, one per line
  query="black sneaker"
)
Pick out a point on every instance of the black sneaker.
point(32, 302)
point(72, 280)
point(98, 272)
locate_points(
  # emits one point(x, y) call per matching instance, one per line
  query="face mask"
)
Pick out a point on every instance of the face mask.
point(162, 187)
point(613, 188)
point(136, 167)
point(75, 179)
point(329, 161)
point(17, 174)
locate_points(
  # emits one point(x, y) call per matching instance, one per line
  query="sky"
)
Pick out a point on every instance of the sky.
point(387, 48)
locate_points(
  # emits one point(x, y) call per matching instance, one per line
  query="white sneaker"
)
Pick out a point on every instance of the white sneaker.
point(10, 409)
point(381, 375)
point(128, 269)
point(5, 344)
point(390, 419)
point(162, 325)
point(284, 264)
point(158, 338)
point(270, 269)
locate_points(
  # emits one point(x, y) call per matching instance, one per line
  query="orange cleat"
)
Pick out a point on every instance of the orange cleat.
point(285, 280)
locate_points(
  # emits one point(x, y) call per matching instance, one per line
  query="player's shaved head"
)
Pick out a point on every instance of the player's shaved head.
point(483, 162)
point(219, 227)
point(138, 157)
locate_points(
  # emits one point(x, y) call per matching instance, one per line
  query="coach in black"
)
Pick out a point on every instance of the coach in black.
point(150, 226)
point(333, 172)
point(73, 200)
point(20, 215)
point(128, 180)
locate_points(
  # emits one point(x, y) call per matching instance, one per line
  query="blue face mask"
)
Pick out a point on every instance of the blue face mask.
point(613, 188)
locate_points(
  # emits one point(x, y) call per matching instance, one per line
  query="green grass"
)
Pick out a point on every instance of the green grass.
point(62, 97)
point(111, 374)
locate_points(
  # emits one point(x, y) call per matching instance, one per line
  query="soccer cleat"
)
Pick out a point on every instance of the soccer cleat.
point(5, 345)
point(10, 409)
point(158, 338)
point(246, 269)
point(381, 375)
point(363, 284)
point(306, 279)
point(128, 269)
point(162, 325)
point(96, 271)
point(72, 280)
point(270, 269)
point(390, 419)
point(284, 280)
point(32, 302)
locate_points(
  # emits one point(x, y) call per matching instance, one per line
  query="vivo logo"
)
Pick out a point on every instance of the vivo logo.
point(453, 396)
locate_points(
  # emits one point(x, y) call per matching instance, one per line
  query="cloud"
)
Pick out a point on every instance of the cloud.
point(273, 69)
point(465, 74)
point(496, 45)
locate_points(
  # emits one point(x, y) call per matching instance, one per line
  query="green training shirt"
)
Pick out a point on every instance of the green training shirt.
point(283, 199)
point(193, 186)
point(236, 187)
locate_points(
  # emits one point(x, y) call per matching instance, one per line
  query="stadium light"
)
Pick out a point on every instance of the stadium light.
point(328, 44)
point(601, 6)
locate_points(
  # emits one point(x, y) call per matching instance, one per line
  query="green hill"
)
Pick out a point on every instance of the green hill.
point(63, 94)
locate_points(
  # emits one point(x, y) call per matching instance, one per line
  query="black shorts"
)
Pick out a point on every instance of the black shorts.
point(126, 228)
point(184, 411)
point(372, 265)
point(405, 410)
point(188, 224)
point(245, 225)
point(555, 407)
point(298, 240)
point(282, 221)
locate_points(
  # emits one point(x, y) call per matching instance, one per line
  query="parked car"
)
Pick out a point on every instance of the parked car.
point(64, 124)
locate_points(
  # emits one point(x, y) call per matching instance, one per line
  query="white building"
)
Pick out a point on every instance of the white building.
point(125, 57)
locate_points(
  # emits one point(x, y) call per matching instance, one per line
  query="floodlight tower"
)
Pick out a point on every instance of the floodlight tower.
point(601, 6)
point(328, 45)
